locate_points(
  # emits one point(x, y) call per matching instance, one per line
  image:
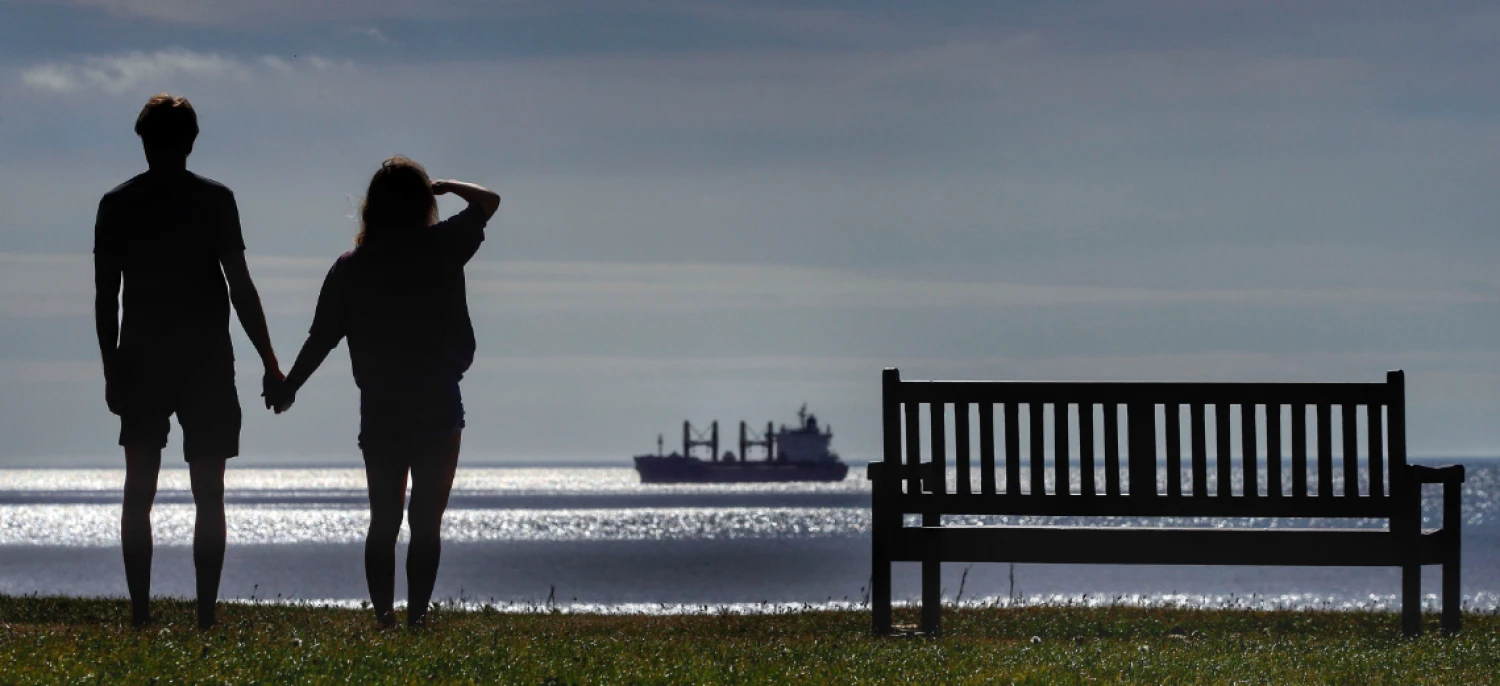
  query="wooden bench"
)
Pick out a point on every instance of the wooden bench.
point(1132, 413)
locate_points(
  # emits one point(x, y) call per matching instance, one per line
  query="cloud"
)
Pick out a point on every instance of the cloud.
point(141, 71)
point(131, 71)
point(370, 32)
point(263, 12)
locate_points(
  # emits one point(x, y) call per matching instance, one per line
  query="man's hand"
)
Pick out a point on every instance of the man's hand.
point(271, 387)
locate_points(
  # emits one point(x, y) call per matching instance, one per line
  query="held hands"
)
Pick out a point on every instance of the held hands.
point(278, 393)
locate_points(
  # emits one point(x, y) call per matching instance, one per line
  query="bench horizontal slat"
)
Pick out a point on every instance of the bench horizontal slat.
point(1105, 545)
point(1125, 392)
point(1161, 506)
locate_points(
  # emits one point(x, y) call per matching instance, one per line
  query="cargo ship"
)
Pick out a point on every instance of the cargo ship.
point(797, 453)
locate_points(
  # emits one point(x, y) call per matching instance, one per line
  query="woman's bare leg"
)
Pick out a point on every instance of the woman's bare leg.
point(141, 467)
point(431, 482)
point(387, 484)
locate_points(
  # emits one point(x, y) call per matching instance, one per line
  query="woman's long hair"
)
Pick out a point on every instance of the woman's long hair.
point(399, 198)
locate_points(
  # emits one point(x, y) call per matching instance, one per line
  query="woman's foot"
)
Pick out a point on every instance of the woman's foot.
point(140, 620)
point(385, 619)
point(416, 620)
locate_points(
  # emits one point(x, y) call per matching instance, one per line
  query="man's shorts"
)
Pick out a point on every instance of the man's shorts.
point(203, 398)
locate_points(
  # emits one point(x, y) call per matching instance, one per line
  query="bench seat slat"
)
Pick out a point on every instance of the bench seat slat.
point(1126, 506)
point(1114, 545)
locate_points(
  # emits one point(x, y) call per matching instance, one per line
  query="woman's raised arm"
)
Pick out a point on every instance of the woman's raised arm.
point(472, 193)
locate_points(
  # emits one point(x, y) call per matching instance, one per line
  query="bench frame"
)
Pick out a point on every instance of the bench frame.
point(904, 484)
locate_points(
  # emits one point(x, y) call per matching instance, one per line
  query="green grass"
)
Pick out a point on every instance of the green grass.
point(64, 640)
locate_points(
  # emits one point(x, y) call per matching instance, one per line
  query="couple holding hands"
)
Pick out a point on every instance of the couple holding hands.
point(173, 239)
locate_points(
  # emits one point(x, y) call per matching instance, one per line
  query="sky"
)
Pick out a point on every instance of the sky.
point(723, 210)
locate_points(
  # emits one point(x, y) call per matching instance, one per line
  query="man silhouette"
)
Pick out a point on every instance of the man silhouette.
point(173, 238)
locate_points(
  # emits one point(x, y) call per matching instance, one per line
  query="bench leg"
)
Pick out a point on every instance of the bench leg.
point(1451, 598)
point(880, 597)
point(932, 590)
point(1411, 599)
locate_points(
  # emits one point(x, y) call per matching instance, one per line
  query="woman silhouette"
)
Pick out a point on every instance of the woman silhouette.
point(399, 299)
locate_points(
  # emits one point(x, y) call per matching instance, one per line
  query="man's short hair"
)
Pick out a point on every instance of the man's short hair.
point(167, 122)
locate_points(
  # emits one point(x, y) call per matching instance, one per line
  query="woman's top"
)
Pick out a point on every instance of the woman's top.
point(399, 298)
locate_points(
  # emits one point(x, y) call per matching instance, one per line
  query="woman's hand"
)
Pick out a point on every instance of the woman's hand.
point(472, 193)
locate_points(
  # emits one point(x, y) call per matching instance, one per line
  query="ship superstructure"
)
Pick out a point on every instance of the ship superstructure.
point(797, 453)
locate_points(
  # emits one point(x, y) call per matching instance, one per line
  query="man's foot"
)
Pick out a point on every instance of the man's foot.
point(386, 619)
point(140, 620)
point(416, 621)
point(206, 619)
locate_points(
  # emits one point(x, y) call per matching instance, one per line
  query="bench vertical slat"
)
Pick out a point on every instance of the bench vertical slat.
point(932, 515)
point(1038, 450)
point(1142, 446)
point(1062, 481)
point(1012, 449)
point(1173, 438)
point(987, 448)
point(913, 449)
point(1351, 450)
point(1249, 456)
point(937, 478)
point(1299, 450)
point(1406, 511)
point(1111, 449)
point(1221, 450)
point(885, 512)
point(1200, 450)
point(1086, 449)
point(1377, 453)
point(1273, 450)
point(1325, 450)
point(961, 445)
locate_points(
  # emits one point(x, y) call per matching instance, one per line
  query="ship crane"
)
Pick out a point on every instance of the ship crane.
point(766, 441)
point(712, 442)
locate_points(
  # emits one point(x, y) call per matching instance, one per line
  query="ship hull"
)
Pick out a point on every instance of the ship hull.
point(668, 470)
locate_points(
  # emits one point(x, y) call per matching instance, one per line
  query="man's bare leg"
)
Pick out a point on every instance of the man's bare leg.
point(209, 533)
point(141, 467)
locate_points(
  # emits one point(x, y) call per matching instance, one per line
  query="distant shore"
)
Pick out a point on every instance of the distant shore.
point(51, 640)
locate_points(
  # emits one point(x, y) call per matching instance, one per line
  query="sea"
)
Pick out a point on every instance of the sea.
point(594, 539)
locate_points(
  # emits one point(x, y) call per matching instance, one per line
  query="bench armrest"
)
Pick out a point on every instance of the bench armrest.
point(1448, 474)
point(876, 470)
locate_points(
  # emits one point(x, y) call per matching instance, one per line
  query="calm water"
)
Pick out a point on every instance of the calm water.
point(595, 538)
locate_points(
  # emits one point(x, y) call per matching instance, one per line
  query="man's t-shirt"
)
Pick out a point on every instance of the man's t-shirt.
point(168, 231)
point(401, 302)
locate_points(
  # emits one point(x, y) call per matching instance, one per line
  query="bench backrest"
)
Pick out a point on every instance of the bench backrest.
point(1131, 426)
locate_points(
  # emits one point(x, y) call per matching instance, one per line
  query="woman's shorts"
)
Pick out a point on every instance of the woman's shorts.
point(409, 413)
